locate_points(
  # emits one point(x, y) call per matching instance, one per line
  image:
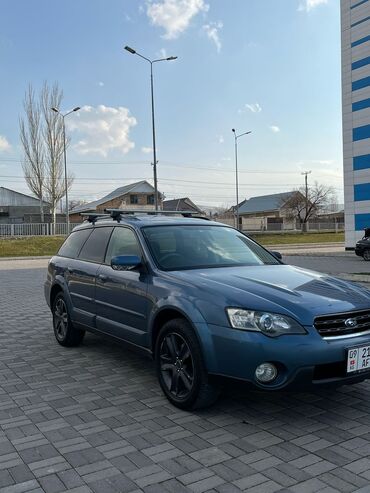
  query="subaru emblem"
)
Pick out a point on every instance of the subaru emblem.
point(350, 322)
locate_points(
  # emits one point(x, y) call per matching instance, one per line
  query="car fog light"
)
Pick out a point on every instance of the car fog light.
point(266, 372)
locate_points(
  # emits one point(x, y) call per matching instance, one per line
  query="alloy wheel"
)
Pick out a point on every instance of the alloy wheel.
point(176, 365)
point(60, 319)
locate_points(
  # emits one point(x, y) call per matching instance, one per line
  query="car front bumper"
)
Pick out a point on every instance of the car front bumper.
point(303, 361)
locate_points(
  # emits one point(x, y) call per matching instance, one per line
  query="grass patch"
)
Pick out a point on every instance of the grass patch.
point(30, 246)
point(298, 238)
point(48, 245)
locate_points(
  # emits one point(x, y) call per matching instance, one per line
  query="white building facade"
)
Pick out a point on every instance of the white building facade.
point(355, 16)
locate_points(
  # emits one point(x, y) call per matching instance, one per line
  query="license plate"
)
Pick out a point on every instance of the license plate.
point(358, 359)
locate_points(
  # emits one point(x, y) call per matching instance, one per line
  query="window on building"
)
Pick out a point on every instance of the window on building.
point(134, 199)
point(150, 199)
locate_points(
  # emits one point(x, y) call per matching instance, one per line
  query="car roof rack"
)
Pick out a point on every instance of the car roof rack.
point(116, 214)
point(92, 217)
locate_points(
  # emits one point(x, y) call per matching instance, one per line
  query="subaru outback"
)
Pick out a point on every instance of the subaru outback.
point(205, 300)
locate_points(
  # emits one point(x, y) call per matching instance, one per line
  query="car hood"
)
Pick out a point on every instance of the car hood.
point(292, 290)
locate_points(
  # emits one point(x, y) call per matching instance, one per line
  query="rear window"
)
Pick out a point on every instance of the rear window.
point(73, 244)
point(95, 247)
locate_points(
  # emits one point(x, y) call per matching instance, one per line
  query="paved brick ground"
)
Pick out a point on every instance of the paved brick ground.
point(93, 419)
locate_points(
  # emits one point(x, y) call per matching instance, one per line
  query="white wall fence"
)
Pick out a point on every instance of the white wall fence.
point(34, 229)
point(48, 229)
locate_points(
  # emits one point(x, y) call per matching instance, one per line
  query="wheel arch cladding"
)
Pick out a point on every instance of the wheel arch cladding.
point(201, 332)
point(55, 290)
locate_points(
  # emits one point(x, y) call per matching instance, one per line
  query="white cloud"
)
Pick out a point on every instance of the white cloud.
point(147, 150)
point(254, 107)
point(102, 129)
point(100, 83)
point(174, 16)
point(4, 144)
point(162, 53)
point(308, 5)
point(212, 31)
point(221, 139)
point(275, 129)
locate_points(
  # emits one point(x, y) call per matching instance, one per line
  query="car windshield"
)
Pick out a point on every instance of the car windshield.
point(192, 247)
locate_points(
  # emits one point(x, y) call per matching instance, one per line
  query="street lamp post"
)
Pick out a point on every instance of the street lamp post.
point(134, 52)
point(65, 158)
point(236, 137)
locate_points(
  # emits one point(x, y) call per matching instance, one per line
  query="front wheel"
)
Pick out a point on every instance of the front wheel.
point(65, 333)
point(180, 368)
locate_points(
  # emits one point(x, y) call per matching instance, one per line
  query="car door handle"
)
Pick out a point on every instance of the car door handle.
point(102, 277)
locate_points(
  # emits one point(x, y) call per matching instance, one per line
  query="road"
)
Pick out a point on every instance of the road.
point(334, 263)
point(92, 419)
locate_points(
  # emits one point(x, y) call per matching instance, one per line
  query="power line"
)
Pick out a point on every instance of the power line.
point(171, 164)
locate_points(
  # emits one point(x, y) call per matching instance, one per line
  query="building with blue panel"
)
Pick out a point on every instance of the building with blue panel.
point(356, 116)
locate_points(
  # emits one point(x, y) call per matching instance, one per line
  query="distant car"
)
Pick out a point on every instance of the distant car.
point(203, 300)
point(362, 248)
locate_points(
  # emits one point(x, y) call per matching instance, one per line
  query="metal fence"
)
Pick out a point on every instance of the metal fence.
point(35, 229)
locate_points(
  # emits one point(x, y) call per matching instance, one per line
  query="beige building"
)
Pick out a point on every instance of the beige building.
point(139, 195)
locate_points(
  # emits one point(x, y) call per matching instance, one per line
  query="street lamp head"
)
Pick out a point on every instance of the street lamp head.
point(171, 58)
point(76, 109)
point(130, 50)
point(55, 109)
point(233, 130)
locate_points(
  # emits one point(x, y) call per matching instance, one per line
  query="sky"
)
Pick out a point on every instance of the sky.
point(271, 67)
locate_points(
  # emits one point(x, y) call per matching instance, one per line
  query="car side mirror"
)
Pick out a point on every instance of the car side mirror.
point(276, 255)
point(125, 262)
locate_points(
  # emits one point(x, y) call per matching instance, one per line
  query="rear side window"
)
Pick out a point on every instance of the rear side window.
point(73, 244)
point(94, 249)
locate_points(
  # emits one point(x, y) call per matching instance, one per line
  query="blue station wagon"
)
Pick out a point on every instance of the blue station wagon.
point(205, 300)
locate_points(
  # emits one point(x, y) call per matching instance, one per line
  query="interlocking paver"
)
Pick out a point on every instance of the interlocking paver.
point(92, 419)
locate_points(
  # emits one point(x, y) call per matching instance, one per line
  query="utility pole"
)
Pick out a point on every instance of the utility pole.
point(306, 173)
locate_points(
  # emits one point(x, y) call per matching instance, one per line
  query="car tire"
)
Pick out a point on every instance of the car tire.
point(65, 333)
point(180, 367)
point(366, 255)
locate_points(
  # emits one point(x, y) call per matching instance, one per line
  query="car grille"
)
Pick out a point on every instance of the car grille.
point(335, 325)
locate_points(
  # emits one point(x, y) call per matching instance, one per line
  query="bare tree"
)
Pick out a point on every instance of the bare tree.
point(76, 202)
point(32, 141)
point(53, 140)
point(305, 204)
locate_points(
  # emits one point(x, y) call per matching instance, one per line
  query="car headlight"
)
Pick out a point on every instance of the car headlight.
point(270, 324)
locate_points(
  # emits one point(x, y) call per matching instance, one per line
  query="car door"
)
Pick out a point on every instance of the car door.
point(82, 275)
point(66, 263)
point(122, 296)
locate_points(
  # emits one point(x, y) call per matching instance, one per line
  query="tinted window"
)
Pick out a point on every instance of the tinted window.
point(73, 244)
point(94, 249)
point(122, 242)
point(192, 247)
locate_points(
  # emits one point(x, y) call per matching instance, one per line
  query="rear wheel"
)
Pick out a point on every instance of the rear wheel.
point(366, 255)
point(65, 333)
point(180, 368)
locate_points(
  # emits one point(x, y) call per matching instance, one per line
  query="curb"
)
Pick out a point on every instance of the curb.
point(3, 259)
point(353, 277)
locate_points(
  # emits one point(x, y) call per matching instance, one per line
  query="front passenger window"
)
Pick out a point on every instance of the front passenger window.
point(122, 242)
